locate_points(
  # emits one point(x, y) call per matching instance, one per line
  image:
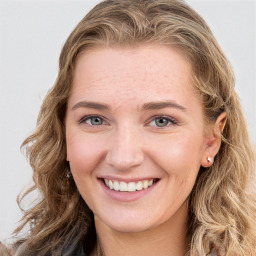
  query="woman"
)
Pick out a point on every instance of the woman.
point(141, 147)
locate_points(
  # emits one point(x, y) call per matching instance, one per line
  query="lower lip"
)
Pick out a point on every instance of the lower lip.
point(126, 196)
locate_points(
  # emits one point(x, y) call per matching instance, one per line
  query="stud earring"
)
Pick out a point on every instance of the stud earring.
point(209, 159)
point(68, 173)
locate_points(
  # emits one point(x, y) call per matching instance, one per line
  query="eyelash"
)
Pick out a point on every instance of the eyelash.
point(86, 118)
point(170, 120)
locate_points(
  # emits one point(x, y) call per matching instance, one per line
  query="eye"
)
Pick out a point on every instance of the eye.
point(92, 120)
point(162, 121)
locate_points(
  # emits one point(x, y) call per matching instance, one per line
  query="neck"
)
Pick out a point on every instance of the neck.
point(167, 239)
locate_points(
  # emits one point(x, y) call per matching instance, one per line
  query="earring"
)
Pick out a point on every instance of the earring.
point(209, 159)
point(68, 173)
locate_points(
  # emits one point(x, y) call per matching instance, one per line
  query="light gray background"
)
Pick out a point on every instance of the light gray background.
point(31, 36)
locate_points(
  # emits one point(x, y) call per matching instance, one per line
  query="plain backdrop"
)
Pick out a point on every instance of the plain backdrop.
point(31, 36)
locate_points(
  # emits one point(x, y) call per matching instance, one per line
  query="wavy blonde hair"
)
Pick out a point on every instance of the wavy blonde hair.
point(222, 202)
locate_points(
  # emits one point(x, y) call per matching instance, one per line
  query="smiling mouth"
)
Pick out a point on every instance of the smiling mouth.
point(123, 186)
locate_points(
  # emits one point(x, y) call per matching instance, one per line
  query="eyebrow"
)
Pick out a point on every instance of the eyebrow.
point(161, 105)
point(146, 106)
point(88, 104)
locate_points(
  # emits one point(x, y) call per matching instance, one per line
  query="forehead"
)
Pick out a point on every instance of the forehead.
point(145, 71)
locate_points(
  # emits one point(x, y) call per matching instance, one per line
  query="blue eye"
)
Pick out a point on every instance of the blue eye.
point(95, 120)
point(163, 122)
point(92, 120)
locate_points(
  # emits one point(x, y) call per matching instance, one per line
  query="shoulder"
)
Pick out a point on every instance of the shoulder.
point(22, 249)
point(4, 251)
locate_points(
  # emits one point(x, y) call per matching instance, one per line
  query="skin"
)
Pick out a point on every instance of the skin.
point(126, 143)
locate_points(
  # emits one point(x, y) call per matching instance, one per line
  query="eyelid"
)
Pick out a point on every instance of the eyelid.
point(172, 120)
point(85, 118)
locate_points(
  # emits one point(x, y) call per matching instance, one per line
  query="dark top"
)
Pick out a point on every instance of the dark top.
point(78, 251)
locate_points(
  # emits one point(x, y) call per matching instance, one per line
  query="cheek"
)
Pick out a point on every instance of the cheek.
point(178, 153)
point(83, 153)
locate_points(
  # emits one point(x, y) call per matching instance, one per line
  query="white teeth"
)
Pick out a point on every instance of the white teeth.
point(128, 187)
point(131, 187)
point(111, 185)
point(145, 184)
point(123, 186)
point(139, 186)
point(116, 186)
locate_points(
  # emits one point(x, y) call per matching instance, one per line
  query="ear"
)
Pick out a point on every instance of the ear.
point(213, 140)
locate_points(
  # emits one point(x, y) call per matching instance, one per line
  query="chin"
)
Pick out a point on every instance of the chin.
point(128, 222)
point(130, 227)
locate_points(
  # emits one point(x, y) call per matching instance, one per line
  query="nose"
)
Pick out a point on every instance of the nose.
point(125, 150)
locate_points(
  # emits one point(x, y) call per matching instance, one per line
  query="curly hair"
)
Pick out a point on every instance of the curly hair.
point(222, 205)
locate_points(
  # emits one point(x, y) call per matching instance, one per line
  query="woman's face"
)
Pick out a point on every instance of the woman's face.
point(135, 135)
